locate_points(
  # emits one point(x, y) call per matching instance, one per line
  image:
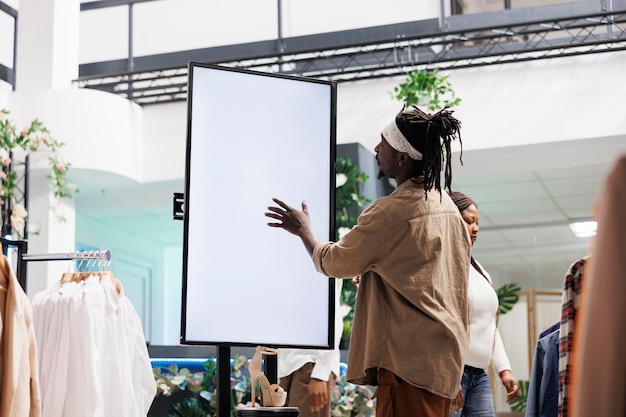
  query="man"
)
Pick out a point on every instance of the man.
point(409, 335)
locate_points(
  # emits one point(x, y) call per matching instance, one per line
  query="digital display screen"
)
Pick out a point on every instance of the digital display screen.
point(253, 136)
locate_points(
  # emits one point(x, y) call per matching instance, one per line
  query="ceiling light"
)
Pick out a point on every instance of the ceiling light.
point(584, 229)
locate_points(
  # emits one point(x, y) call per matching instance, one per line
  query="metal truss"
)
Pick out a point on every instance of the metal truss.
point(508, 36)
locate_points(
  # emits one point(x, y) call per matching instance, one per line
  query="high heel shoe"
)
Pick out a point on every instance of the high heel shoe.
point(272, 395)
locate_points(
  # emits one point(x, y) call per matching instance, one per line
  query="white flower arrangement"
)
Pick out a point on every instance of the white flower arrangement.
point(18, 219)
point(32, 138)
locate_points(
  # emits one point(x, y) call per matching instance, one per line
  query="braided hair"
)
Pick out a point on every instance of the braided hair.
point(431, 134)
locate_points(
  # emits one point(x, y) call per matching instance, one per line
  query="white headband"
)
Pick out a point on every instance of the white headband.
point(396, 139)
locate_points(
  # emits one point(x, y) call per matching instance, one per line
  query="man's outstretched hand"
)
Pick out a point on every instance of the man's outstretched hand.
point(294, 221)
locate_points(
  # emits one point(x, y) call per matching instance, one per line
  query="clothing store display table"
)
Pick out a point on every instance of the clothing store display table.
point(267, 412)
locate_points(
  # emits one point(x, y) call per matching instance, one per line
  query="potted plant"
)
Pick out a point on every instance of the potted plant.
point(427, 88)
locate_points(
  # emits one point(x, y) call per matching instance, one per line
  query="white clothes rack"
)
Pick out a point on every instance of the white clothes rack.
point(23, 257)
point(68, 256)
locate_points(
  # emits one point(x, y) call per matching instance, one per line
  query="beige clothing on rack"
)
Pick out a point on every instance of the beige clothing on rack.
point(599, 371)
point(19, 389)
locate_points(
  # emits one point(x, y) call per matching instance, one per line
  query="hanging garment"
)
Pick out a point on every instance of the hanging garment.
point(19, 381)
point(571, 302)
point(543, 387)
point(94, 359)
point(599, 377)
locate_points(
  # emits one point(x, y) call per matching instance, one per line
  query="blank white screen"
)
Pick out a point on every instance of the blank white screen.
point(252, 137)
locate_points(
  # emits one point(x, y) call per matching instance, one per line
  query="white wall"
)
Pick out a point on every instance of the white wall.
point(101, 131)
point(165, 141)
point(172, 295)
point(506, 105)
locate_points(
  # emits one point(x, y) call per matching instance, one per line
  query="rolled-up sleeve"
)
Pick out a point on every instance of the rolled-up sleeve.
point(358, 251)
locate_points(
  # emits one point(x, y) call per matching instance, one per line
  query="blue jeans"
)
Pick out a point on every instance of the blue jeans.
point(477, 394)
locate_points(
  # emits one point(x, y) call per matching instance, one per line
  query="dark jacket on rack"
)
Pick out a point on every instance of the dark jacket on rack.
point(543, 389)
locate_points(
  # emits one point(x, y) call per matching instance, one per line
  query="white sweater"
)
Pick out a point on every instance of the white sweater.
point(485, 342)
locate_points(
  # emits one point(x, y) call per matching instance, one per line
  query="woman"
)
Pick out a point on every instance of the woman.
point(485, 343)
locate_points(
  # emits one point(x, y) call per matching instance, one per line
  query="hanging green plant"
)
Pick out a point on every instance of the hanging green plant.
point(427, 88)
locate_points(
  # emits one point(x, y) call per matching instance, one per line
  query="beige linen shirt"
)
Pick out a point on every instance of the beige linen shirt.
point(411, 314)
point(20, 395)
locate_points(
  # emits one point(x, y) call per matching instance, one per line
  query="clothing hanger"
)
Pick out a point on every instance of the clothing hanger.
point(86, 270)
point(75, 276)
point(81, 276)
point(103, 271)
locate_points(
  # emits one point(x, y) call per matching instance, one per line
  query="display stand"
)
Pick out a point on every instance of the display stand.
point(211, 91)
point(271, 372)
point(267, 412)
point(223, 381)
point(223, 389)
point(223, 362)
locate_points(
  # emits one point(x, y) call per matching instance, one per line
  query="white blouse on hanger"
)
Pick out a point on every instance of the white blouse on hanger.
point(93, 356)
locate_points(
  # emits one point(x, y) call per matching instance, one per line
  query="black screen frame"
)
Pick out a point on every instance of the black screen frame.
point(189, 196)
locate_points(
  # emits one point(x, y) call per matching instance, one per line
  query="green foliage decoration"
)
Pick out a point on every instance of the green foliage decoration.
point(347, 193)
point(348, 197)
point(428, 88)
point(347, 399)
point(507, 297)
point(190, 407)
point(352, 400)
point(34, 137)
point(203, 383)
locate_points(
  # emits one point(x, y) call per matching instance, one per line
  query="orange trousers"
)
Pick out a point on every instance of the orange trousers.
point(397, 398)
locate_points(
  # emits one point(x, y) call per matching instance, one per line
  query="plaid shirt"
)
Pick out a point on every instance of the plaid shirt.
point(571, 302)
